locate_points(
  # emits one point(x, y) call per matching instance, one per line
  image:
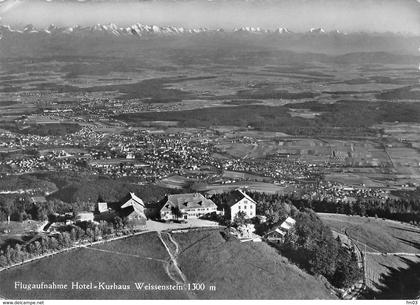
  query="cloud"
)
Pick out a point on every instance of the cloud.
point(297, 15)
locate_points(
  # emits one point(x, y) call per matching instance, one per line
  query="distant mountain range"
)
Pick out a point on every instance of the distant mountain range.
point(139, 29)
point(107, 38)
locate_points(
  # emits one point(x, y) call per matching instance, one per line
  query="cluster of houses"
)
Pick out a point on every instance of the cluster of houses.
point(182, 207)
point(172, 207)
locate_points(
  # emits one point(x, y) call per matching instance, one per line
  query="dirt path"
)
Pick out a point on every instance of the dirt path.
point(173, 260)
point(175, 243)
point(173, 269)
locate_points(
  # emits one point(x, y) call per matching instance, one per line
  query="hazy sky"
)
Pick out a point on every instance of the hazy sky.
point(297, 15)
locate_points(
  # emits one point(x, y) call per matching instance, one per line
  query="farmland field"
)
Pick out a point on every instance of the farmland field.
point(384, 236)
point(252, 186)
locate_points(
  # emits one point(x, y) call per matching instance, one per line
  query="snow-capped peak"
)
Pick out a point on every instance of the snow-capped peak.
point(30, 29)
point(282, 30)
point(317, 30)
point(250, 29)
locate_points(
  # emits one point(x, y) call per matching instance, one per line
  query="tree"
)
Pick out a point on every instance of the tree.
point(103, 225)
point(12, 255)
point(3, 215)
point(39, 211)
point(240, 219)
point(176, 212)
point(118, 223)
point(8, 206)
point(324, 256)
point(37, 247)
point(96, 233)
point(66, 239)
point(290, 240)
point(44, 244)
point(61, 241)
point(54, 243)
point(275, 211)
point(73, 234)
point(3, 260)
point(347, 271)
point(109, 230)
point(30, 248)
point(19, 255)
point(8, 254)
point(89, 233)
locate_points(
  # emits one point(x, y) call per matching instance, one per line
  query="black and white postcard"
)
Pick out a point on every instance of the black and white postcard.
point(209, 150)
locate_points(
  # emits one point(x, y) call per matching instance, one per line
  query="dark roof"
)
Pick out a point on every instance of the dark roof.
point(132, 196)
point(123, 209)
point(235, 196)
point(119, 204)
point(190, 200)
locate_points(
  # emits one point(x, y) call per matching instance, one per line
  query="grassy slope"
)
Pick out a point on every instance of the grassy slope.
point(85, 265)
point(384, 236)
point(240, 271)
point(143, 245)
point(243, 270)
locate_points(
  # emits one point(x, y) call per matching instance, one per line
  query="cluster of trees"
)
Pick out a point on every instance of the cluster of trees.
point(312, 245)
point(276, 205)
point(22, 207)
point(15, 252)
point(394, 209)
point(37, 246)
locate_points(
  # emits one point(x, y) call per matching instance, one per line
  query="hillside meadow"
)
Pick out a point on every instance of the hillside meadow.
point(388, 276)
point(243, 270)
point(236, 270)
